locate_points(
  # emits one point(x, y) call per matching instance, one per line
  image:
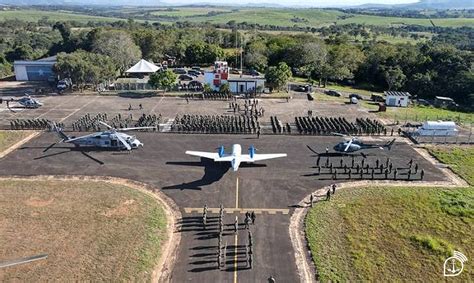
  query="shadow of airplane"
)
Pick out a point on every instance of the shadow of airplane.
point(213, 172)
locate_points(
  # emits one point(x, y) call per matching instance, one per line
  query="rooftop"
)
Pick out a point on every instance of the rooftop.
point(397, 93)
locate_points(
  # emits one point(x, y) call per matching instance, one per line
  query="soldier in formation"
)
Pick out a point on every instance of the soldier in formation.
point(32, 124)
point(330, 125)
point(218, 124)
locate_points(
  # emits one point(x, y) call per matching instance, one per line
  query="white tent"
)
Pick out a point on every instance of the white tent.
point(143, 67)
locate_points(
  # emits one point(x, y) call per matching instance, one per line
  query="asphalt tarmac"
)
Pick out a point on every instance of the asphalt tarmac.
point(271, 188)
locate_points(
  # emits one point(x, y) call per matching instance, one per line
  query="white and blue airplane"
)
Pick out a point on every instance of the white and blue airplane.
point(235, 157)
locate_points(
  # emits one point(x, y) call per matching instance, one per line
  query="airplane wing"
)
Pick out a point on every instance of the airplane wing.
point(258, 157)
point(209, 155)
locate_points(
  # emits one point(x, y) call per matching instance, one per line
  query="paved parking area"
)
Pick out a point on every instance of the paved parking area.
point(69, 108)
point(272, 188)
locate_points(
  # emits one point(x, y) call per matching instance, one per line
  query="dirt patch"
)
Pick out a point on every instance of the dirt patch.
point(80, 245)
point(123, 209)
point(38, 202)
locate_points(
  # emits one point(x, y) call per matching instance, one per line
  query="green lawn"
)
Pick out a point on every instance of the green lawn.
point(384, 234)
point(263, 16)
point(459, 158)
point(388, 234)
point(424, 113)
point(31, 15)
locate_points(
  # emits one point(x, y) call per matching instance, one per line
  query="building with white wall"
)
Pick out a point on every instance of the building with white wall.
point(39, 70)
point(237, 84)
point(397, 98)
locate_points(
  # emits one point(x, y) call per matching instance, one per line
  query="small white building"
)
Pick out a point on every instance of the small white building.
point(237, 84)
point(39, 70)
point(397, 98)
point(437, 128)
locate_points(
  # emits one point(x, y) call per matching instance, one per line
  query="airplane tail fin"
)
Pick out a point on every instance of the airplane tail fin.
point(390, 144)
point(252, 150)
point(60, 132)
point(221, 151)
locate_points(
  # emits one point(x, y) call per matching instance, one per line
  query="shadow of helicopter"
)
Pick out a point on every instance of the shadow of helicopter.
point(337, 154)
point(213, 172)
point(83, 150)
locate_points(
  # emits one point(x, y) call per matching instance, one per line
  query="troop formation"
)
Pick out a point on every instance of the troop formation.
point(90, 122)
point(340, 169)
point(209, 96)
point(219, 124)
point(249, 108)
point(328, 125)
point(31, 124)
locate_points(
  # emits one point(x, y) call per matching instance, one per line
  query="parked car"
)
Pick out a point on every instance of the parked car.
point(180, 71)
point(196, 68)
point(235, 71)
point(423, 102)
point(357, 96)
point(333, 93)
point(377, 98)
point(301, 88)
point(185, 78)
point(252, 73)
point(194, 73)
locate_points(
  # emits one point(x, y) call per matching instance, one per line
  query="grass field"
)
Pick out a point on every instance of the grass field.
point(395, 234)
point(91, 231)
point(391, 234)
point(459, 158)
point(31, 15)
point(263, 16)
point(424, 113)
point(9, 138)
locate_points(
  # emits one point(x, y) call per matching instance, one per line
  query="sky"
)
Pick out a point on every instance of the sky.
point(315, 3)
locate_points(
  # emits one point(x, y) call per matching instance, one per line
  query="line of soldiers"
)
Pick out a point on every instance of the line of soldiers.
point(329, 125)
point(278, 127)
point(222, 249)
point(148, 120)
point(249, 108)
point(364, 170)
point(31, 124)
point(88, 122)
point(216, 96)
point(218, 124)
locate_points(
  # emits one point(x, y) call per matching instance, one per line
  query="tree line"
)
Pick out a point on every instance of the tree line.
point(91, 55)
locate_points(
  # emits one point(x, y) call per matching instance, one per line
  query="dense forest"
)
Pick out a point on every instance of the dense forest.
point(344, 54)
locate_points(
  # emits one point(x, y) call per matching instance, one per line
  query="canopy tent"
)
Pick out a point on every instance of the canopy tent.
point(143, 67)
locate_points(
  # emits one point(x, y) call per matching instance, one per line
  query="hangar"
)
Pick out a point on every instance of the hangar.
point(39, 70)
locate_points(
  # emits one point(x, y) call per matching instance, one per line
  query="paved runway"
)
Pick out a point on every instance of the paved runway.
point(272, 188)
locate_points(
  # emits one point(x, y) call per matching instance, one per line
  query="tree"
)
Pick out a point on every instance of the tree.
point(278, 76)
point(394, 77)
point(165, 79)
point(207, 88)
point(119, 46)
point(20, 52)
point(225, 88)
point(84, 68)
point(343, 61)
point(255, 55)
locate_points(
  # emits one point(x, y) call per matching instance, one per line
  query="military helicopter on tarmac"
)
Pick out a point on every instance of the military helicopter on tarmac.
point(26, 101)
point(352, 145)
point(110, 139)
